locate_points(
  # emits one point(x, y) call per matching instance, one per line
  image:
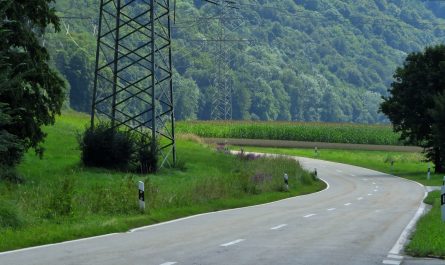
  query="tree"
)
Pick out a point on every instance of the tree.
point(31, 93)
point(415, 104)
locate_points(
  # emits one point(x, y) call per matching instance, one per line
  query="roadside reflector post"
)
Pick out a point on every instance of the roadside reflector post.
point(141, 196)
point(316, 174)
point(428, 176)
point(442, 202)
point(286, 181)
point(316, 151)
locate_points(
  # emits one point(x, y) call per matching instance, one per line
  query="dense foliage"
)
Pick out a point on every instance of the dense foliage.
point(107, 147)
point(308, 60)
point(31, 93)
point(294, 131)
point(416, 104)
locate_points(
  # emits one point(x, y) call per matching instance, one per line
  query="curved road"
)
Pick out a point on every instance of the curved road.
point(357, 220)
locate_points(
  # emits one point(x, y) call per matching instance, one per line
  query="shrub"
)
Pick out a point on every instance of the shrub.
point(10, 174)
point(112, 148)
point(105, 147)
point(9, 216)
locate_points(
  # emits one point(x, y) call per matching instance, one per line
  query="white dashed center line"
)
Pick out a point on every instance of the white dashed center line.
point(369, 194)
point(232, 243)
point(331, 209)
point(309, 215)
point(278, 227)
point(360, 198)
point(376, 190)
point(352, 175)
point(347, 204)
point(169, 263)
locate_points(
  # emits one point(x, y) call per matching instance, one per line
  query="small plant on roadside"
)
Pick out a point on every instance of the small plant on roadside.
point(61, 199)
point(9, 216)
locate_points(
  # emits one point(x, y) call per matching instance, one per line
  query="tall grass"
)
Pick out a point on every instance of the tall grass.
point(294, 131)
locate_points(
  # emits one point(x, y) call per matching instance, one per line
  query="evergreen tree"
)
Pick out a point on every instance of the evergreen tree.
point(31, 93)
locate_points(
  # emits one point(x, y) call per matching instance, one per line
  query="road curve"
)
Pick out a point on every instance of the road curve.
point(357, 220)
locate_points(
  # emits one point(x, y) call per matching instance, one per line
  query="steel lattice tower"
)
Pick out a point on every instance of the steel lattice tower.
point(133, 77)
point(228, 22)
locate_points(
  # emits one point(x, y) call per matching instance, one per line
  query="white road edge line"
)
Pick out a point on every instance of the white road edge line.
point(391, 256)
point(232, 243)
point(169, 263)
point(55, 244)
point(309, 215)
point(331, 209)
point(398, 246)
point(278, 227)
point(392, 262)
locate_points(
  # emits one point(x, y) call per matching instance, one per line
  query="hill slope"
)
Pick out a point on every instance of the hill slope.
point(323, 60)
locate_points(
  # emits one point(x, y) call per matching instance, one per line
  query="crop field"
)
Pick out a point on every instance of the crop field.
point(294, 131)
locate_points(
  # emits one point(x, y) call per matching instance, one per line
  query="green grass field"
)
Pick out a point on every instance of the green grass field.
point(429, 237)
point(294, 131)
point(61, 200)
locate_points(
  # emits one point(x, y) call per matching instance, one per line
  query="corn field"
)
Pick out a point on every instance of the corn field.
point(293, 131)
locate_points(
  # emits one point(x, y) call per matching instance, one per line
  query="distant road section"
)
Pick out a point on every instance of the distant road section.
point(299, 144)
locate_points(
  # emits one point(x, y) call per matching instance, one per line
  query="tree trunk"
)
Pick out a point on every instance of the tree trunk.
point(438, 161)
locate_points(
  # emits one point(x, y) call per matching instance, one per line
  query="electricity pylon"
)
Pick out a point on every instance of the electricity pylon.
point(133, 75)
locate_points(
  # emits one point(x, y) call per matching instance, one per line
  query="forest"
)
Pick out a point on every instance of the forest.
point(288, 60)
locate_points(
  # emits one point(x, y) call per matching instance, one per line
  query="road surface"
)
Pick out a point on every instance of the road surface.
point(357, 220)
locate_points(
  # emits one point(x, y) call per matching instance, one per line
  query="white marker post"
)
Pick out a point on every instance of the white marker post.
point(286, 181)
point(316, 174)
point(141, 196)
point(428, 176)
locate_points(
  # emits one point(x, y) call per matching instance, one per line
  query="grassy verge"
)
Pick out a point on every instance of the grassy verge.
point(61, 200)
point(429, 237)
point(407, 165)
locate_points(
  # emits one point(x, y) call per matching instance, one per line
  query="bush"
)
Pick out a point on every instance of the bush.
point(112, 148)
point(105, 147)
point(9, 216)
point(10, 174)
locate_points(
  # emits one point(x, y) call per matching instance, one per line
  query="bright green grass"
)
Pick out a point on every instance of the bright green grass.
point(104, 201)
point(295, 131)
point(429, 237)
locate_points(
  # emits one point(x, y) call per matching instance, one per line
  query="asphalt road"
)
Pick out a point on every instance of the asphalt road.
point(357, 220)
